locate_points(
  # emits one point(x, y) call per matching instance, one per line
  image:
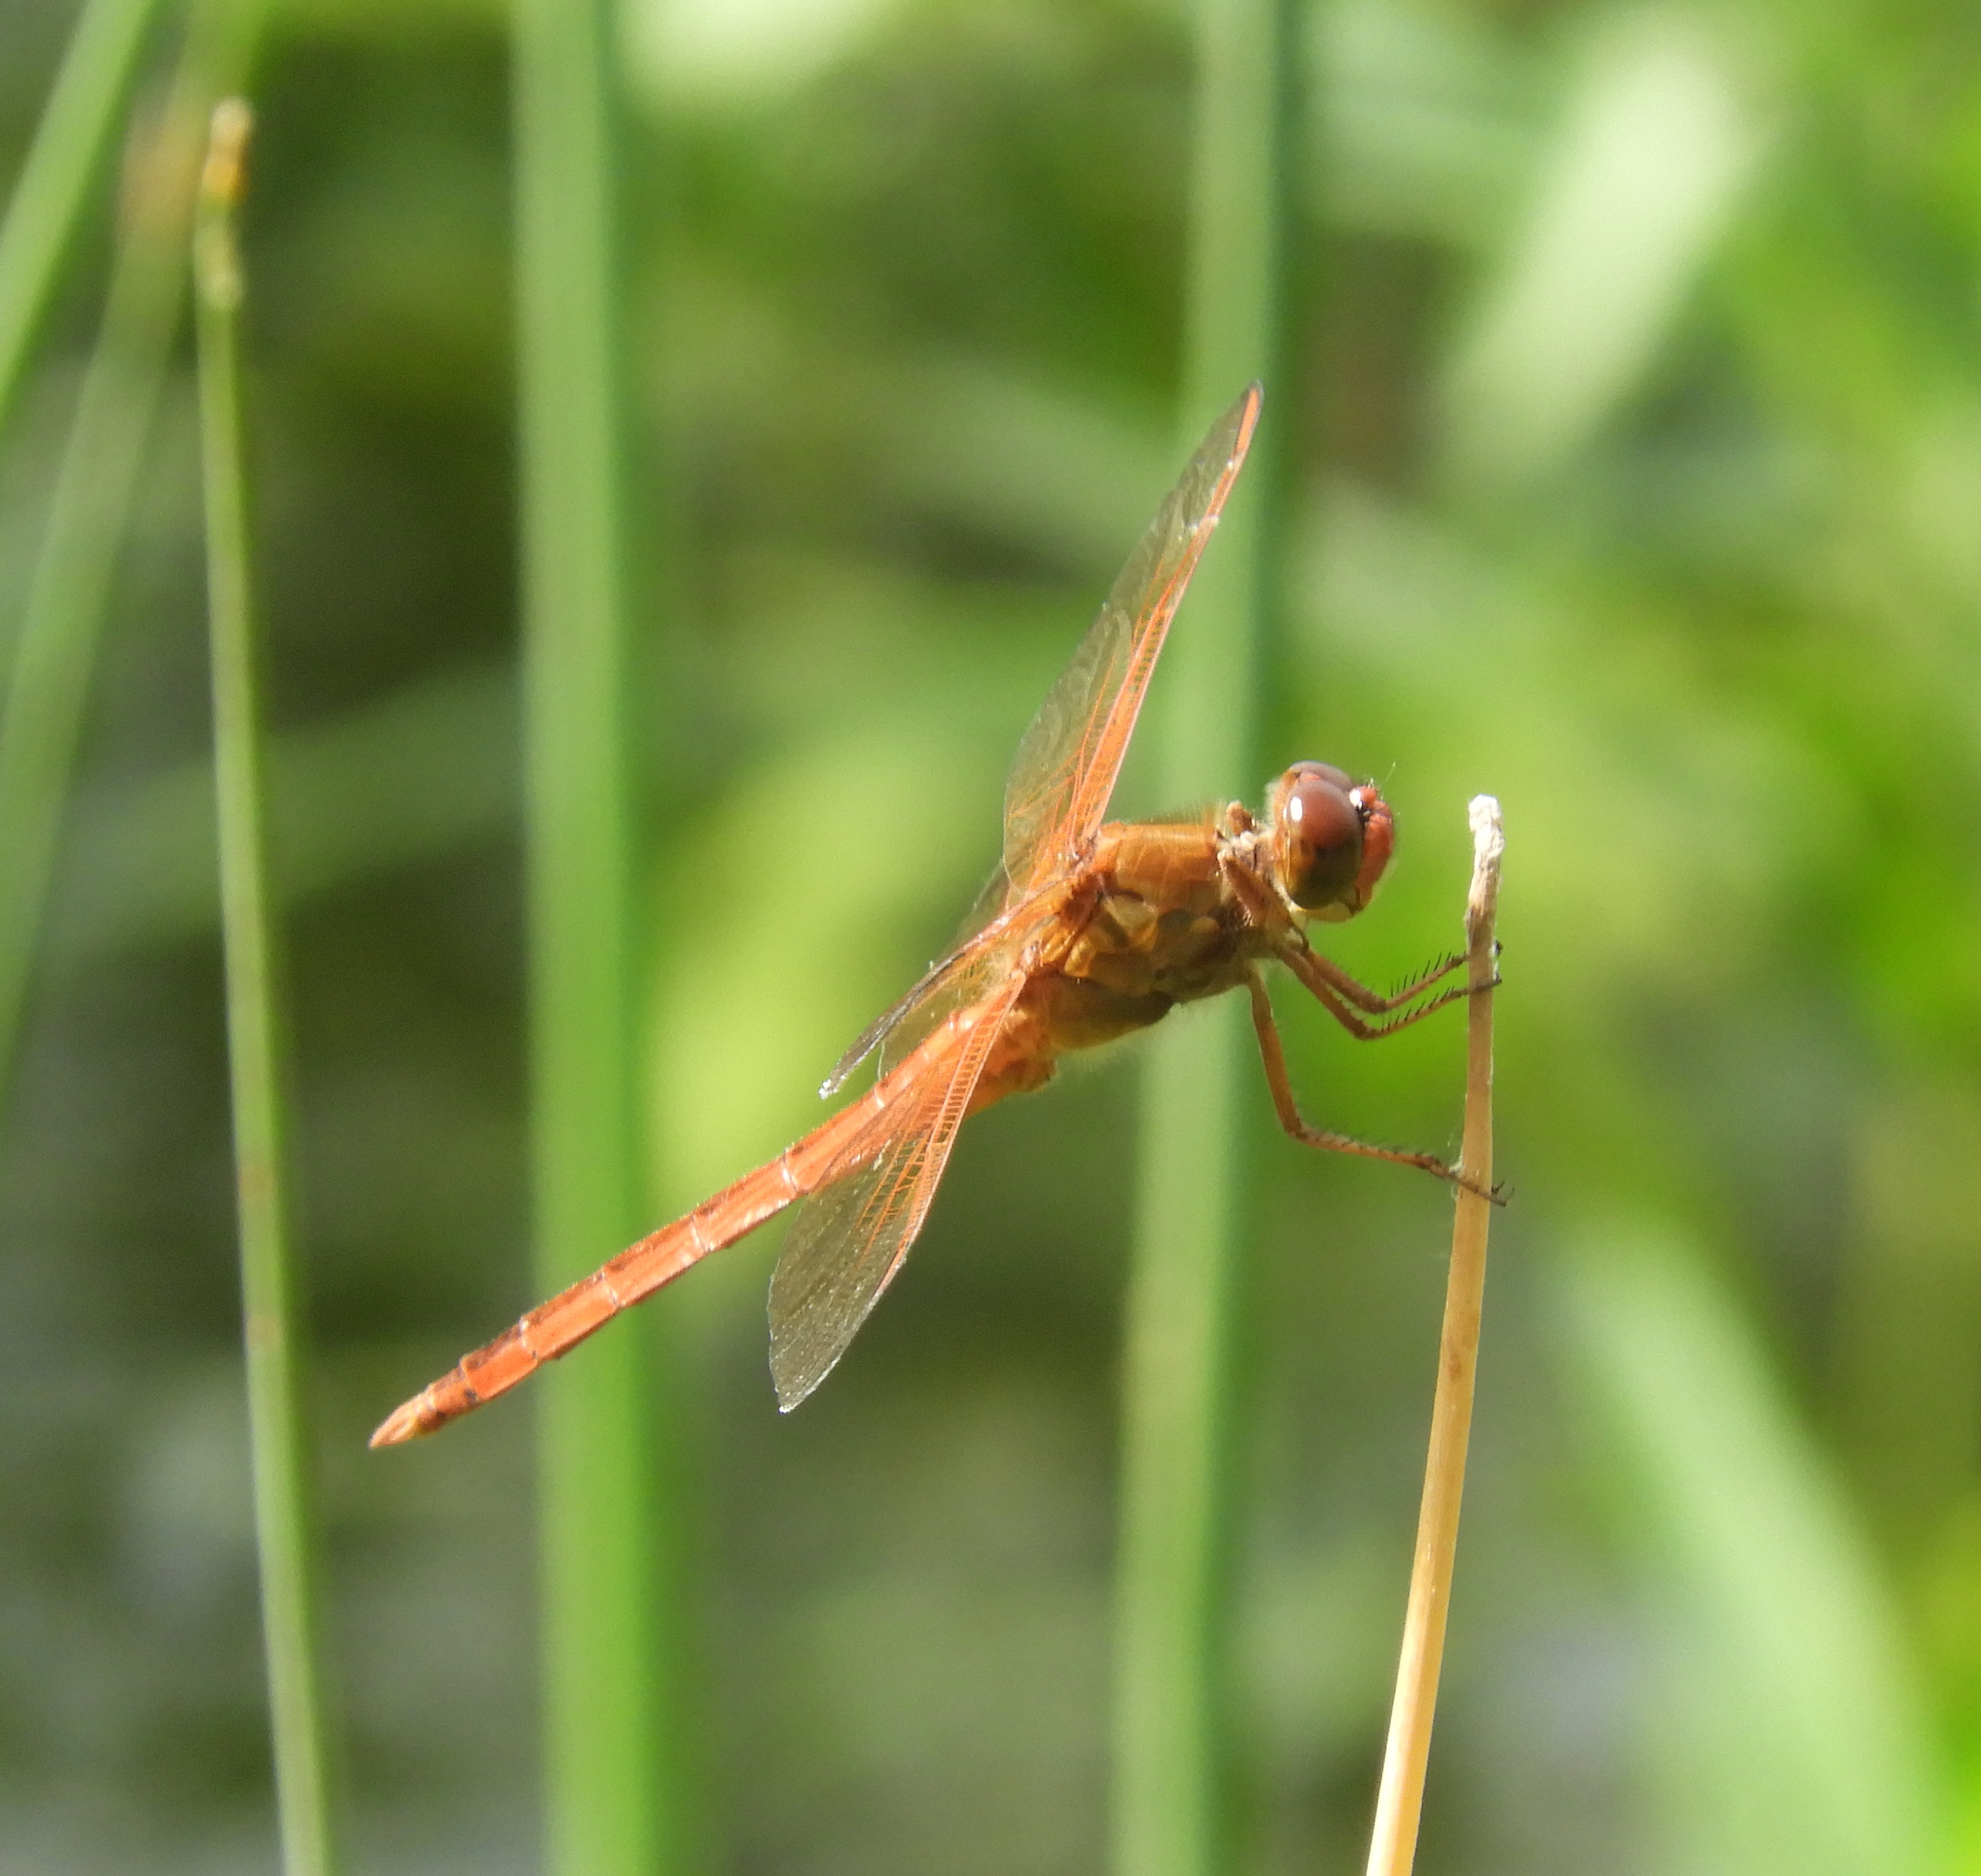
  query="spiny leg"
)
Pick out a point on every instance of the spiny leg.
point(1274, 1058)
point(1317, 974)
point(1268, 916)
point(1359, 993)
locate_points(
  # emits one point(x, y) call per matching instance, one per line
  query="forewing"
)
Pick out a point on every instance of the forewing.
point(952, 980)
point(848, 1240)
point(1069, 757)
point(1068, 760)
point(990, 937)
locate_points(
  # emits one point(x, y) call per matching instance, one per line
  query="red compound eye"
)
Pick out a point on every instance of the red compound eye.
point(1331, 838)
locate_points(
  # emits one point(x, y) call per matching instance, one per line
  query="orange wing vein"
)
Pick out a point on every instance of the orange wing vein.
point(847, 1243)
point(1071, 755)
point(1069, 758)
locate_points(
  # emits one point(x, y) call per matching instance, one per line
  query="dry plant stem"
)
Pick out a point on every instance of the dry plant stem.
point(1392, 1845)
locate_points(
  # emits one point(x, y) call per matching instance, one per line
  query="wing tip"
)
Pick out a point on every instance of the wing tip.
point(793, 1394)
point(842, 1071)
point(1247, 410)
point(795, 1371)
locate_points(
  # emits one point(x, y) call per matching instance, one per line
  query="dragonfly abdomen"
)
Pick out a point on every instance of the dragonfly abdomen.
point(841, 1145)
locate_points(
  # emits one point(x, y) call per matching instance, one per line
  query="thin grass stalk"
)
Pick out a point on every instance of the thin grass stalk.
point(47, 206)
point(283, 1525)
point(1171, 1591)
point(1400, 1799)
point(68, 596)
point(611, 1797)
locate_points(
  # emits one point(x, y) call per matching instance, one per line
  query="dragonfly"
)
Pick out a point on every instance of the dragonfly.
point(1088, 931)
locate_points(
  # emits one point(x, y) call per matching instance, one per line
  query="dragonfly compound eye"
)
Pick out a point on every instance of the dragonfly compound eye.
point(1317, 837)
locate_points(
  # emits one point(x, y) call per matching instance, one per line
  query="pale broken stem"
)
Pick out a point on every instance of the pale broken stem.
point(1399, 1802)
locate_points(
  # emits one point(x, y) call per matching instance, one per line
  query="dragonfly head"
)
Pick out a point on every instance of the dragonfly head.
point(1329, 837)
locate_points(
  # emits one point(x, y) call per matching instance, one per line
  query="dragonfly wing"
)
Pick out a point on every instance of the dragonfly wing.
point(849, 1239)
point(838, 1259)
point(1069, 758)
point(988, 941)
point(951, 981)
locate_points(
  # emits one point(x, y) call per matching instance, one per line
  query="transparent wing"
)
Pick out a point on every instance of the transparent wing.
point(849, 1239)
point(1068, 759)
point(990, 937)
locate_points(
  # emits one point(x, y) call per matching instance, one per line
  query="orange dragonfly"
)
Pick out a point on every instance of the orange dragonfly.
point(1088, 930)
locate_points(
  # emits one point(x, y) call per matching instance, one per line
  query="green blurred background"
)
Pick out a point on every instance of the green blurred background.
point(1640, 415)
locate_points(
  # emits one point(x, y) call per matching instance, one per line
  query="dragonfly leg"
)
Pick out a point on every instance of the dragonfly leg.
point(1318, 974)
point(1364, 998)
point(1268, 916)
point(1277, 1080)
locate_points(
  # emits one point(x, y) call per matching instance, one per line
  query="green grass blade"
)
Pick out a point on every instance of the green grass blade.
point(610, 1810)
point(421, 773)
point(253, 1031)
point(1170, 1616)
point(46, 203)
point(70, 591)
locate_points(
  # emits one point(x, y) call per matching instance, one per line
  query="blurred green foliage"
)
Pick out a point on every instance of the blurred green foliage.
point(1640, 425)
